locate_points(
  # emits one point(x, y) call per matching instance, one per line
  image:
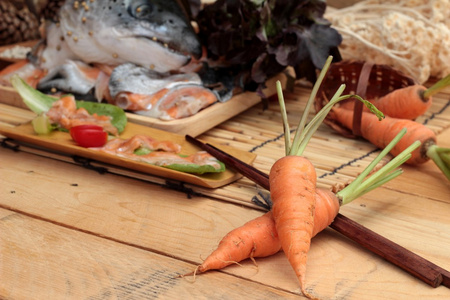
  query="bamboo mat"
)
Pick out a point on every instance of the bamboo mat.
point(338, 160)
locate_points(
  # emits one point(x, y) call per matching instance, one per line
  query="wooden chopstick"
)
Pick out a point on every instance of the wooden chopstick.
point(412, 263)
point(245, 169)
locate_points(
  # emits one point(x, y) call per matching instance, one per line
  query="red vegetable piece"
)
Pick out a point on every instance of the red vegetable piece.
point(89, 135)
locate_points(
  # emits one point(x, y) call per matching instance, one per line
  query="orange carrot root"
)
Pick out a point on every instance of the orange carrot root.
point(327, 207)
point(256, 238)
point(380, 133)
point(292, 190)
point(405, 103)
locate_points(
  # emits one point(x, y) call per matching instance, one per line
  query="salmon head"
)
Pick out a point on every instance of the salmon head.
point(152, 33)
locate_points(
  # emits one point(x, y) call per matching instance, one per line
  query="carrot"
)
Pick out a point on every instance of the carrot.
point(327, 208)
point(256, 238)
point(259, 238)
point(406, 103)
point(378, 133)
point(292, 184)
point(293, 209)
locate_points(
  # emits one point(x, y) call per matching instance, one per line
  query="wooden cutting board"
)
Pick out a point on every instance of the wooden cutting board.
point(194, 125)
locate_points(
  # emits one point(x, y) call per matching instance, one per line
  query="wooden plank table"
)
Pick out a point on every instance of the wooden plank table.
point(67, 232)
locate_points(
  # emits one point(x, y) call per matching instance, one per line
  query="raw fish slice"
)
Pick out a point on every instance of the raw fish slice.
point(138, 80)
point(65, 113)
point(181, 101)
point(158, 158)
point(137, 102)
point(101, 87)
point(71, 77)
point(26, 70)
point(82, 117)
point(128, 146)
point(163, 96)
point(163, 153)
point(62, 108)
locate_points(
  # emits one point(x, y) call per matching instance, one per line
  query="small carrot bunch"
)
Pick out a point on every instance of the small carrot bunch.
point(401, 106)
point(293, 184)
point(299, 210)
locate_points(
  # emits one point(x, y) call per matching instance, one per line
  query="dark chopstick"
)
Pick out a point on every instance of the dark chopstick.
point(410, 262)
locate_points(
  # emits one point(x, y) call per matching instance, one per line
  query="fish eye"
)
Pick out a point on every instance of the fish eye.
point(142, 11)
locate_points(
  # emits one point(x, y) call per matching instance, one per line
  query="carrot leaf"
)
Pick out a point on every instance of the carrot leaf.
point(299, 142)
point(372, 108)
point(365, 183)
point(287, 131)
point(441, 157)
point(437, 87)
point(304, 133)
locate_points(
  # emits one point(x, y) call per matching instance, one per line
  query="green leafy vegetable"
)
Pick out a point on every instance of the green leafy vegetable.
point(40, 103)
point(187, 168)
point(35, 100)
point(262, 38)
point(119, 119)
point(196, 169)
point(142, 151)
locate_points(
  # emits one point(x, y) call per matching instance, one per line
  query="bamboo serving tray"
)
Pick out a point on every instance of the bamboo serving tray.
point(194, 125)
point(61, 142)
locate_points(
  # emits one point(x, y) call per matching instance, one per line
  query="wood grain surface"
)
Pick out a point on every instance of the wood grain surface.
point(69, 232)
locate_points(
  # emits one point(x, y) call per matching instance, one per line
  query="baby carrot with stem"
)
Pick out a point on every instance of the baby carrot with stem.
point(409, 102)
point(292, 185)
point(379, 133)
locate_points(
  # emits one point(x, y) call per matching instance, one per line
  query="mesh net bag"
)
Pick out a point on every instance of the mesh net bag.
point(367, 80)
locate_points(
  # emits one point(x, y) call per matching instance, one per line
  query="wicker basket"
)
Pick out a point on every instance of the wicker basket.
point(370, 81)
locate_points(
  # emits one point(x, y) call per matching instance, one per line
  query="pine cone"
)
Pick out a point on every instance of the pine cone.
point(17, 25)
